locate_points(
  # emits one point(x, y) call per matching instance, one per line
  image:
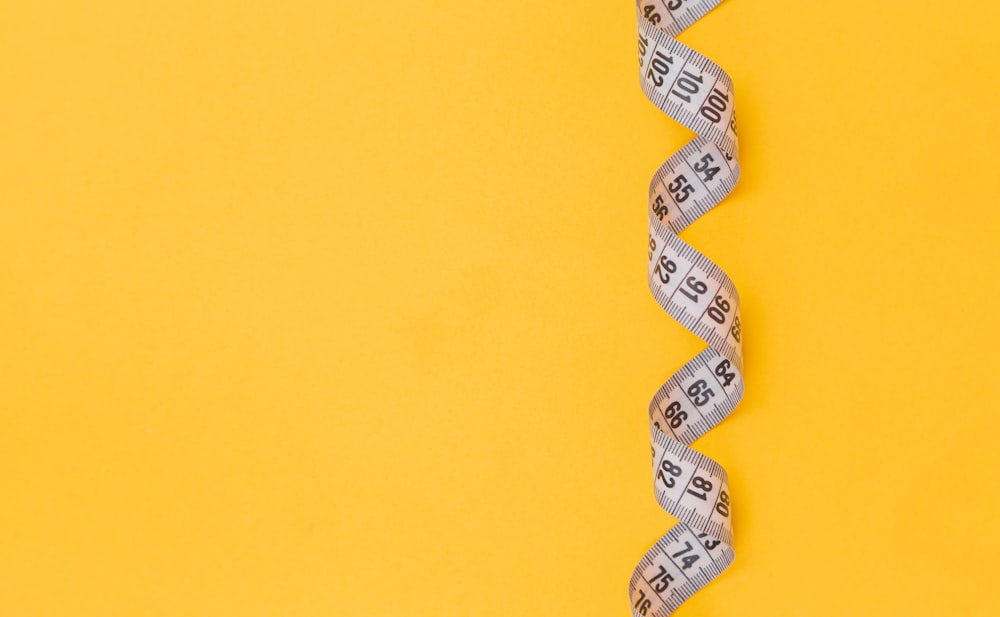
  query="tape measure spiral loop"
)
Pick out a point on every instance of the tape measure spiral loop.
point(690, 486)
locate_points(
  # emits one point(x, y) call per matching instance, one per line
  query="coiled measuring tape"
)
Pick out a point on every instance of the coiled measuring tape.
point(694, 91)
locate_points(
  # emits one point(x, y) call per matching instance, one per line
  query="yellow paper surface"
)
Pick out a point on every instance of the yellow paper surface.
point(339, 308)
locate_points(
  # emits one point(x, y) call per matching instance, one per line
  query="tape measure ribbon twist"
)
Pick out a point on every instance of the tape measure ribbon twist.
point(693, 488)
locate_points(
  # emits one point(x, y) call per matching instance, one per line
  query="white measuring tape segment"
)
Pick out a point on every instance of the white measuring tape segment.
point(694, 91)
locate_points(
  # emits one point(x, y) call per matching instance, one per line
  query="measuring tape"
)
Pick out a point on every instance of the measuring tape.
point(694, 91)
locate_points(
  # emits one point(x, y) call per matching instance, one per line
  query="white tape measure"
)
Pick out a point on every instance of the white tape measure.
point(694, 91)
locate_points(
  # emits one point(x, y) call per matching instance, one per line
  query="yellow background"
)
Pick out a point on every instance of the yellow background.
point(340, 308)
